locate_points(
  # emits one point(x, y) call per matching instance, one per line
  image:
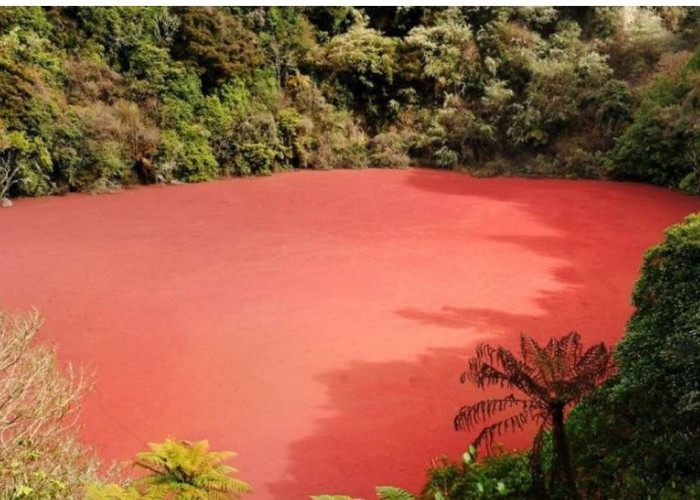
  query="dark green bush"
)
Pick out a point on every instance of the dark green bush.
point(654, 148)
point(639, 435)
point(505, 475)
point(255, 158)
point(661, 144)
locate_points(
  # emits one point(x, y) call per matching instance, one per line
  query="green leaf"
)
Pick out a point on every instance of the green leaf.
point(393, 493)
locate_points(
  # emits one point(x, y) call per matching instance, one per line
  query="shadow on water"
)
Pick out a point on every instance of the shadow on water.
point(387, 420)
point(380, 414)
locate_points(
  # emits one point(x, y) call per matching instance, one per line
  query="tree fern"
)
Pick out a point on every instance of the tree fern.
point(394, 493)
point(551, 377)
point(189, 471)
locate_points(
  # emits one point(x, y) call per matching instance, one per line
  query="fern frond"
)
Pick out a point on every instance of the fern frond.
point(471, 415)
point(488, 434)
point(394, 493)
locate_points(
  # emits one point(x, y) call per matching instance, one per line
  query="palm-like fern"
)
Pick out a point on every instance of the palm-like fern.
point(394, 493)
point(189, 471)
point(551, 378)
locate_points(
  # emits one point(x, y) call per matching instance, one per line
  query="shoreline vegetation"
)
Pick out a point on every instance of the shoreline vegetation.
point(94, 99)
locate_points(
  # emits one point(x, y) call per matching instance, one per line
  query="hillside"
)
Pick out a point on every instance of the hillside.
point(93, 99)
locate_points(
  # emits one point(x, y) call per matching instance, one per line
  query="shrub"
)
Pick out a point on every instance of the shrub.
point(446, 158)
point(192, 154)
point(639, 435)
point(96, 92)
point(661, 144)
point(364, 61)
point(388, 149)
point(255, 158)
point(218, 43)
point(178, 470)
point(296, 135)
point(579, 163)
point(502, 476)
point(445, 52)
point(40, 456)
point(654, 148)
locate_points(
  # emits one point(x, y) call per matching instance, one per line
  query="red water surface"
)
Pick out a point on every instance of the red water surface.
point(317, 322)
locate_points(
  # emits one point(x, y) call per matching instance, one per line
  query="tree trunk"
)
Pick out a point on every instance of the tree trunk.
point(562, 481)
point(539, 492)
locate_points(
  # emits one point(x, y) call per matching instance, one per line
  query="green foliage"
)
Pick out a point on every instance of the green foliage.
point(443, 53)
point(24, 164)
point(468, 480)
point(176, 470)
point(505, 475)
point(110, 491)
point(389, 149)
point(113, 96)
point(364, 61)
point(192, 153)
point(393, 493)
point(218, 43)
point(551, 379)
point(640, 433)
point(330, 497)
point(40, 455)
point(661, 146)
point(255, 158)
point(654, 148)
point(287, 39)
point(189, 471)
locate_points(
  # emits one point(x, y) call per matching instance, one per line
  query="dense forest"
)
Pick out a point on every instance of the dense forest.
point(92, 99)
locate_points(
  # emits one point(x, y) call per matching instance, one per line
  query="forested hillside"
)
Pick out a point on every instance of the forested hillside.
point(95, 98)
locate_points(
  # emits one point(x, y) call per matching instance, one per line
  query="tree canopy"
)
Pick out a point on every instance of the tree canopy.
point(110, 96)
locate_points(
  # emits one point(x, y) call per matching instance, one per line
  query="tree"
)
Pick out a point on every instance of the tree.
point(185, 470)
point(40, 456)
point(286, 37)
point(646, 419)
point(552, 378)
point(218, 43)
point(9, 168)
point(446, 52)
point(364, 61)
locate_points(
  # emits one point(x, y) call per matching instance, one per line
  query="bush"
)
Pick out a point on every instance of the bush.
point(662, 144)
point(296, 135)
point(192, 154)
point(506, 475)
point(654, 148)
point(177, 469)
point(640, 434)
point(388, 149)
point(40, 456)
point(255, 158)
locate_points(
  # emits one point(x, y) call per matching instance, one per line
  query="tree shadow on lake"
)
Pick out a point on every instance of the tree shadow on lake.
point(387, 420)
point(597, 232)
point(383, 419)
